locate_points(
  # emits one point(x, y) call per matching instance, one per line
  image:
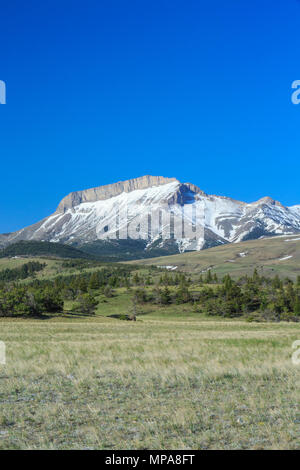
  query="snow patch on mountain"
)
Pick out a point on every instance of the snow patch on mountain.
point(151, 209)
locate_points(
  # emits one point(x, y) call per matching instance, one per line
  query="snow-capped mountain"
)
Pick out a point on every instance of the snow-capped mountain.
point(159, 215)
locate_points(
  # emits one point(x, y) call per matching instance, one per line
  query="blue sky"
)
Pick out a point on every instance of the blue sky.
point(106, 90)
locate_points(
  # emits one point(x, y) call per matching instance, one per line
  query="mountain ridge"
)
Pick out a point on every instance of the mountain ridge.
point(106, 212)
point(110, 190)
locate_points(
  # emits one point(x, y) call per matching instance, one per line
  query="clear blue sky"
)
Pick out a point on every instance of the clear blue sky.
point(104, 90)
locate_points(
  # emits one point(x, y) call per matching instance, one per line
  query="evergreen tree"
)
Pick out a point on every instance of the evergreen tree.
point(165, 297)
point(297, 306)
point(209, 277)
point(94, 281)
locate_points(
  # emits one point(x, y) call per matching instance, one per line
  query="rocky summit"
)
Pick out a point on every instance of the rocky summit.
point(154, 215)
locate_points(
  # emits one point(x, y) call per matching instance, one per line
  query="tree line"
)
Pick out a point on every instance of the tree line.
point(254, 297)
point(47, 296)
point(22, 272)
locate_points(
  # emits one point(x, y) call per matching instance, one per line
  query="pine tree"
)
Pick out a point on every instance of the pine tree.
point(297, 306)
point(165, 296)
point(94, 282)
point(276, 283)
point(209, 277)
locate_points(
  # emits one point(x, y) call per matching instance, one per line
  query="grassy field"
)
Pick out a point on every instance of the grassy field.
point(54, 266)
point(163, 382)
point(271, 256)
point(174, 379)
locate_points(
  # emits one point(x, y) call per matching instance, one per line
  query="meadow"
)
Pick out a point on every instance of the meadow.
point(166, 381)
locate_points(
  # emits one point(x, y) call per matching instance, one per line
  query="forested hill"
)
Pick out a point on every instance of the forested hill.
point(35, 248)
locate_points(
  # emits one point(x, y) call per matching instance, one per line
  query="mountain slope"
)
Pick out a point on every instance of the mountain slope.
point(273, 255)
point(156, 215)
point(34, 248)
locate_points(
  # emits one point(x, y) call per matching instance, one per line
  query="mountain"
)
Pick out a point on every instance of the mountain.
point(154, 216)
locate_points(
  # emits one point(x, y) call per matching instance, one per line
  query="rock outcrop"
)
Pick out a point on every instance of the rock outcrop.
point(146, 208)
point(110, 190)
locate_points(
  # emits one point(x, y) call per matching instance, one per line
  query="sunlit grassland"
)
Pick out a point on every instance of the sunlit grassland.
point(11, 263)
point(268, 256)
point(54, 267)
point(121, 303)
point(163, 382)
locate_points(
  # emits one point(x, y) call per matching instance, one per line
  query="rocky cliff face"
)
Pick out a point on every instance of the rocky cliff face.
point(111, 190)
point(150, 207)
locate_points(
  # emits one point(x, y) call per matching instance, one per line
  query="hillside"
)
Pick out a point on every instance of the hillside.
point(100, 250)
point(276, 255)
point(35, 248)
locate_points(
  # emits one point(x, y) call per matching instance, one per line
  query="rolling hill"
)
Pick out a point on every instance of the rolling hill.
point(271, 256)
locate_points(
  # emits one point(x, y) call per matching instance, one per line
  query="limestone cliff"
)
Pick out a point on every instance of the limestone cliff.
point(110, 190)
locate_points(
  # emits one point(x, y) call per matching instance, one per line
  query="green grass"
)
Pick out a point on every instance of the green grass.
point(54, 267)
point(51, 270)
point(121, 303)
point(174, 379)
point(11, 263)
point(171, 381)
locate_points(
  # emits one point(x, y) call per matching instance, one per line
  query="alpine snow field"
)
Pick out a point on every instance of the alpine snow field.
point(149, 216)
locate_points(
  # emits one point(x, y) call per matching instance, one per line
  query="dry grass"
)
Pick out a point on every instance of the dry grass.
point(153, 384)
point(264, 254)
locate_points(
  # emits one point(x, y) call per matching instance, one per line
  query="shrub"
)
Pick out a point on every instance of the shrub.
point(86, 304)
